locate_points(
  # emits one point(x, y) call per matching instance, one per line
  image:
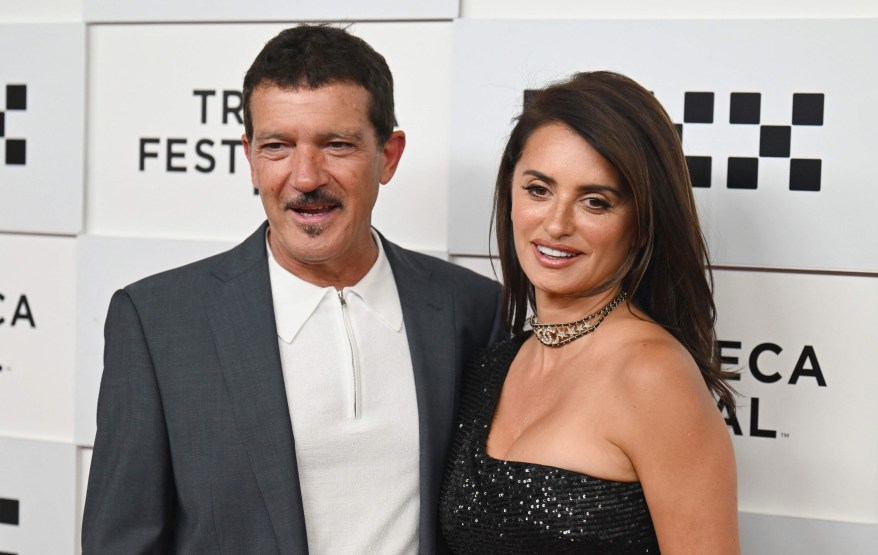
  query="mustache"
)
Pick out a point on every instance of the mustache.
point(317, 196)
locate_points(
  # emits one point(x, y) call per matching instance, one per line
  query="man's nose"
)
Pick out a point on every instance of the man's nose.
point(309, 169)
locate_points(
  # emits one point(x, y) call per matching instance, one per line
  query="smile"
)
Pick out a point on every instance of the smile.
point(554, 253)
point(314, 211)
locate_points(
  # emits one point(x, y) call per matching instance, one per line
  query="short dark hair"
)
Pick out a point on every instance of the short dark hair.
point(668, 273)
point(312, 56)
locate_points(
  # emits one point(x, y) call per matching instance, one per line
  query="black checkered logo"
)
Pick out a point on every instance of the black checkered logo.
point(15, 149)
point(774, 140)
point(9, 511)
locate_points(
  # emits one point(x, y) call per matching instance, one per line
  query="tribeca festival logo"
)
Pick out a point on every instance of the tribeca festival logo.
point(768, 366)
point(19, 313)
point(742, 172)
point(202, 155)
point(9, 511)
point(745, 108)
point(15, 150)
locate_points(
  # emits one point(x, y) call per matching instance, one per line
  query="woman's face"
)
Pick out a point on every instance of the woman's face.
point(572, 222)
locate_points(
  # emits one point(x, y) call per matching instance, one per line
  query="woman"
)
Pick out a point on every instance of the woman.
point(598, 432)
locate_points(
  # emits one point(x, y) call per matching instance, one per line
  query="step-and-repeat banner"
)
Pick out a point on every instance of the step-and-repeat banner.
point(37, 497)
point(147, 172)
point(268, 10)
point(42, 101)
point(777, 122)
point(165, 125)
point(37, 327)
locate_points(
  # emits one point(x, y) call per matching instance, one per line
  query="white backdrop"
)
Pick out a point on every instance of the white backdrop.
point(770, 226)
point(44, 193)
point(80, 219)
point(39, 480)
point(267, 10)
point(142, 84)
point(37, 337)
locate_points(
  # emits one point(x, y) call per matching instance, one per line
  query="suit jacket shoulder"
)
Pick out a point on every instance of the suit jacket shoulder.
point(244, 258)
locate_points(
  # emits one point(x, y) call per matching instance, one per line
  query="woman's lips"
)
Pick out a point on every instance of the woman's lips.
point(554, 256)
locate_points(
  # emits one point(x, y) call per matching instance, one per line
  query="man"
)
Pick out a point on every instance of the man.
point(298, 391)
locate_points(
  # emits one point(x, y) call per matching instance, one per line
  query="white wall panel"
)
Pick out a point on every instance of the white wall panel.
point(268, 10)
point(32, 11)
point(105, 264)
point(142, 85)
point(669, 9)
point(777, 535)
point(84, 464)
point(806, 347)
point(42, 98)
point(38, 488)
point(37, 330)
point(770, 225)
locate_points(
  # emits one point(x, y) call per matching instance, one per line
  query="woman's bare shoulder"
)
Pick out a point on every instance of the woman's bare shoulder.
point(657, 382)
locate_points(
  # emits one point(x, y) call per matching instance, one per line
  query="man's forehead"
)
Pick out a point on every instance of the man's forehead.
point(340, 97)
point(340, 109)
point(303, 86)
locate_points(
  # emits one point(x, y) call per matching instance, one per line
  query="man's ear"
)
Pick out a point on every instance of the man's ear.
point(390, 155)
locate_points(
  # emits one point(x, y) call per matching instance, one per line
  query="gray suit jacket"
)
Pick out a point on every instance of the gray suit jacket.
point(194, 450)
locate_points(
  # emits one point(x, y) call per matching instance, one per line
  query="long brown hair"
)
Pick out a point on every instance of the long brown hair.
point(668, 276)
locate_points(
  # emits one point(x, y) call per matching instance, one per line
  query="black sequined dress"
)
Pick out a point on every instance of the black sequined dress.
point(491, 506)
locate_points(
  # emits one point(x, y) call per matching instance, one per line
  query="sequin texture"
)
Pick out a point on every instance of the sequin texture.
point(493, 506)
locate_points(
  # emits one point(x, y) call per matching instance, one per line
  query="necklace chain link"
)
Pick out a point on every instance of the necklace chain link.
point(556, 335)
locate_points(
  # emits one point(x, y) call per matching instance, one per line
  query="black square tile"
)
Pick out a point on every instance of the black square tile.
point(805, 174)
point(15, 152)
point(698, 107)
point(745, 108)
point(774, 141)
point(2, 124)
point(16, 97)
point(679, 128)
point(9, 511)
point(743, 173)
point(807, 109)
point(699, 170)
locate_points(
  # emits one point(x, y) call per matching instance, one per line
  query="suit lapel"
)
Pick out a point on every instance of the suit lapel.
point(241, 316)
point(429, 322)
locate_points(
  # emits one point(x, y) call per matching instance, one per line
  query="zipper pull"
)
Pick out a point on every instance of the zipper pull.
point(341, 297)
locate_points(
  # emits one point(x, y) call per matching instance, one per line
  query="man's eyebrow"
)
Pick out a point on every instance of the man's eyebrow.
point(355, 136)
point(266, 137)
point(590, 188)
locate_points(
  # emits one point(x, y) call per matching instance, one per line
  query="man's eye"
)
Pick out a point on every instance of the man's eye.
point(338, 145)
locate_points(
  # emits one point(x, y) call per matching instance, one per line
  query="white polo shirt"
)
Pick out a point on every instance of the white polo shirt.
point(351, 393)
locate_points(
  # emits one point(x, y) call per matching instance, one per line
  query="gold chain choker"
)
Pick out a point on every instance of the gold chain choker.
point(555, 335)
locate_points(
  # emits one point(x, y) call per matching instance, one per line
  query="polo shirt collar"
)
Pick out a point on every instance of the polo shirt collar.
point(295, 299)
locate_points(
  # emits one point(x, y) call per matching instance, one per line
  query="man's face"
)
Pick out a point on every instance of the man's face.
point(315, 160)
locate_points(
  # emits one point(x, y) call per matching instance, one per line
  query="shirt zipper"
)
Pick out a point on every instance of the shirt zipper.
point(355, 358)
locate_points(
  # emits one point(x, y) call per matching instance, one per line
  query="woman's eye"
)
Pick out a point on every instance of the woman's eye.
point(597, 203)
point(535, 190)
